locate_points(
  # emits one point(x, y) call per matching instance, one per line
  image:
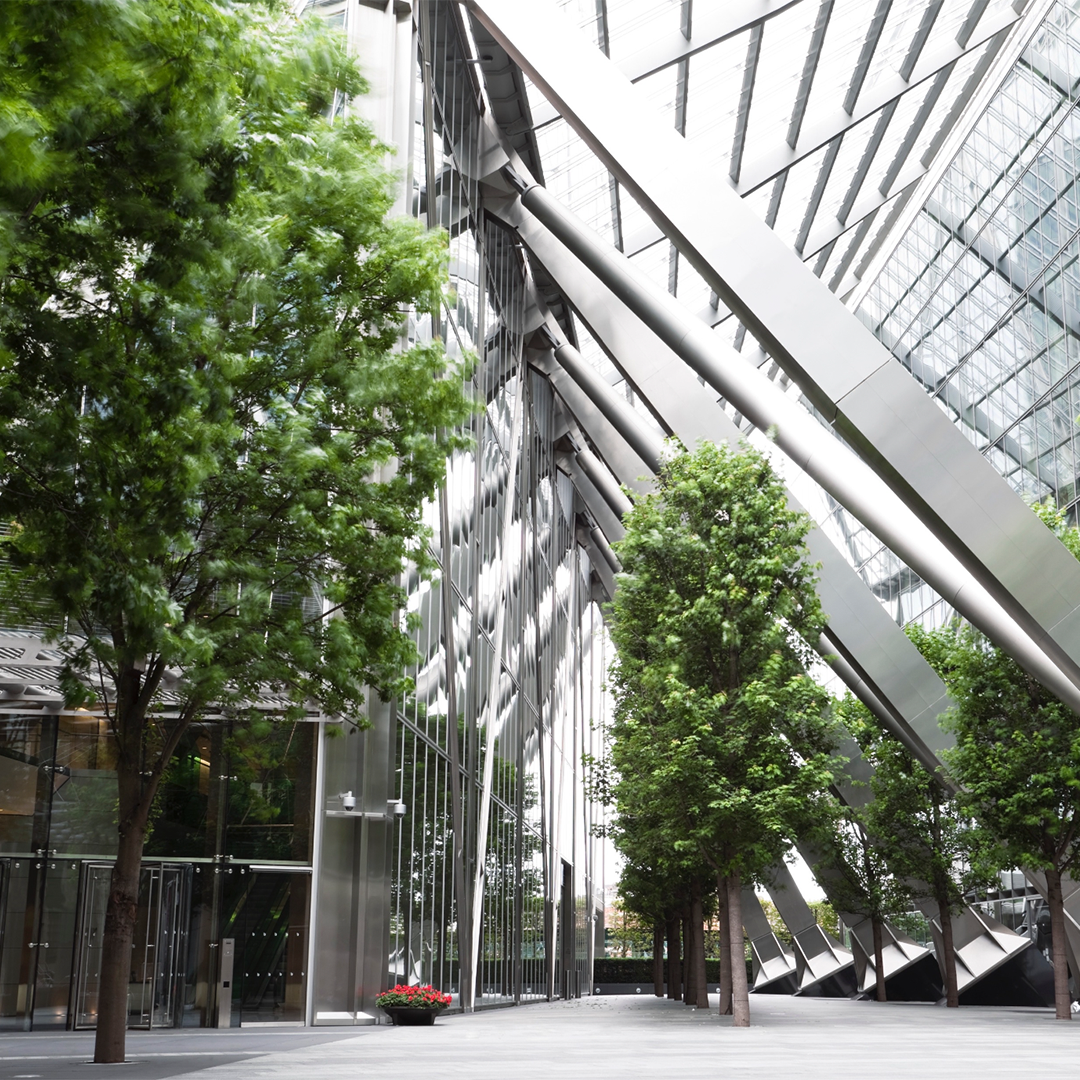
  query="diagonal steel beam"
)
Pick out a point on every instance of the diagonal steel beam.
point(922, 36)
point(915, 128)
point(866, 54)
point(810, 66)
point(746, 97)
point(824, 127)
point(818, 192)
point(883, 668)
point(845, 372)
point(858, 177)
point(971, 20)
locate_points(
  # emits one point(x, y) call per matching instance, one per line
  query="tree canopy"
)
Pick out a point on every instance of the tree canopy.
point(719, 734)
point(214, 448)
point(1016, 759)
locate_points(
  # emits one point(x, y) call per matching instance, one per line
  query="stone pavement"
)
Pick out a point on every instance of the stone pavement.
point(601, 1038)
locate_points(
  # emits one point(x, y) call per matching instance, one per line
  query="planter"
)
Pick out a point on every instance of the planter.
point(403, 1016)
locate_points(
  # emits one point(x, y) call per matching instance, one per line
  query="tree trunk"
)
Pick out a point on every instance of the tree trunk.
point(135, 790)
point(879, 960)
point(952, 993)
point(658, 958)
point(121, 910)
point(725, 946)
point(740, 991)
point(697, 925)
point(1056, 903)
point(120, 913)
point(689, 959)
point(674, 960)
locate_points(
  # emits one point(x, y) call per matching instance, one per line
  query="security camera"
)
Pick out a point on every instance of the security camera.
point(397, 809)
point(348, 801)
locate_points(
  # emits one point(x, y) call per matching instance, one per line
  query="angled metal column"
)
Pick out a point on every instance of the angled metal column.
point(774, 962)
point(823, 967)
point(800, 436)
point(836, 361)
point(872, 647)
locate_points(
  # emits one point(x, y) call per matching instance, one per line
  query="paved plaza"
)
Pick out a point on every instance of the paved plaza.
point(608, 1038)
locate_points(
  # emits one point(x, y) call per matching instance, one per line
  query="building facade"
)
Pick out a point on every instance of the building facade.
point(850, 224)
point(295, 870)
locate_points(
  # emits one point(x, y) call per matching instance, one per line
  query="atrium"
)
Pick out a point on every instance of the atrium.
point(846, 232)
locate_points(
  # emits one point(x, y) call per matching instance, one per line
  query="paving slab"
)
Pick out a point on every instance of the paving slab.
point(616, 1038)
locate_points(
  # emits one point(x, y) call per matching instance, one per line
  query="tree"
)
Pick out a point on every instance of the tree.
point(213, 450)
point(924, 837)
point(719, 734)
point(855, 874)
point(1017, 759)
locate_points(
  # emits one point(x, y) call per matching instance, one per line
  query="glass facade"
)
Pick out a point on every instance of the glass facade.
point(514, 583)
point(452, 840)
point(979, 297)
point(228, 856)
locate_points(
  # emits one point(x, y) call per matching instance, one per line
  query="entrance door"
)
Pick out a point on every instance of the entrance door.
point(154, 987)
point(266, 915)
point(567, 928)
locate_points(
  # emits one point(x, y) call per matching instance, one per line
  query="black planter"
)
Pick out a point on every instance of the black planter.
point(403, 1016)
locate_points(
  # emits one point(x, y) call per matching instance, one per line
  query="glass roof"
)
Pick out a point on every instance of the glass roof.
point(846, 99)
point(824, 115)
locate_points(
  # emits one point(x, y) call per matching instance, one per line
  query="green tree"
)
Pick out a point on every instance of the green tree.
point(855, 874)
point(213, 449)
point(926, 839)
point(1017, 757)
point(720, 738)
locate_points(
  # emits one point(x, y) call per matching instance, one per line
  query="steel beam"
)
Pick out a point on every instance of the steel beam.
point(866, 54)
point(820, 183)
point(875, 653)
point(810, 66)
point(836, 361)
point(822, 128)
point(823, 967)
point(746, 97)
point(847, 478)
point(773, 962)
point(881, 126)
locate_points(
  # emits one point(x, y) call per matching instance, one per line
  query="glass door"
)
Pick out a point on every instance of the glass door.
point(266, 914)
point(155, 982)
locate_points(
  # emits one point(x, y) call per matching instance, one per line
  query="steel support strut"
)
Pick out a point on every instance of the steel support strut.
point(836, 361)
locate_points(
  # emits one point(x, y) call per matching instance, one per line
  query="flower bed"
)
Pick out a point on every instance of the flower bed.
point(413, 997)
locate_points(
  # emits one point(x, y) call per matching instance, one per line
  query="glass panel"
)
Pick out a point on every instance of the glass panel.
point(271, 772)
point(266, 913)
point(54, 946)
point(27, 746)
point(158, 952)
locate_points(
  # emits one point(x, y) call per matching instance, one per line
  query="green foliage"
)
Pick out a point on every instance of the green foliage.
point(719, 741)
point(1017, 753)
point(918, 828)
point(202, 396)
point(851, 865)
point(776, 923)
point(826, 916)
point(823, 912)
point(629, 934)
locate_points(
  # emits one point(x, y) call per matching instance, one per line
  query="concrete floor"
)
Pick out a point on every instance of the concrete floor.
point(614, 1038)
